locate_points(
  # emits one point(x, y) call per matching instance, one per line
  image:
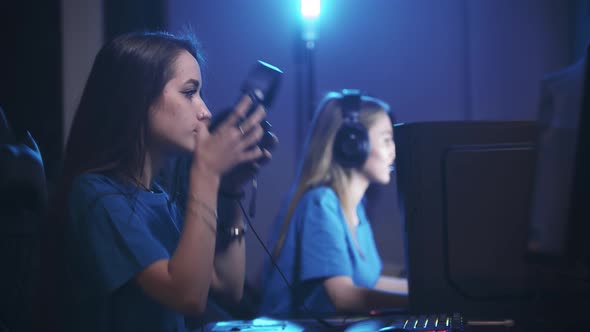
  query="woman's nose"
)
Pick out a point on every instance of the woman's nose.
point(204, 113)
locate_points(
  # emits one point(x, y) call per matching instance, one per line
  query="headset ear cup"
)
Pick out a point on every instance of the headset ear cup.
point(351, 145)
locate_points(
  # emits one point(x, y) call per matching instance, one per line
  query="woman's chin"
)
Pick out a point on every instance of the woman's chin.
point(187, 150)
point(382, 179)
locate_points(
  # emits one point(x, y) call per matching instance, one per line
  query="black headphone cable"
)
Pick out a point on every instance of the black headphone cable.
point(275, 265)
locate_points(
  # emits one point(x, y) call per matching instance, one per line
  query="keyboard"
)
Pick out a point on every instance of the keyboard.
point(402, 322)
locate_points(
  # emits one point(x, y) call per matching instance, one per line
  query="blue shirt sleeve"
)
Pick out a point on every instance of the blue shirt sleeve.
point(111, 233)
point(324, 249)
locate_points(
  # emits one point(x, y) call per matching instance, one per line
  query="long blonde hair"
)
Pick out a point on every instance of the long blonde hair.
point(318, 166)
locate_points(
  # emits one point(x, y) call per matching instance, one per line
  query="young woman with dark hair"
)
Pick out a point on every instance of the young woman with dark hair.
point(127, 258)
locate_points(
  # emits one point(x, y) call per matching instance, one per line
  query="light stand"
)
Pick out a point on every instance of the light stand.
point(305, 86)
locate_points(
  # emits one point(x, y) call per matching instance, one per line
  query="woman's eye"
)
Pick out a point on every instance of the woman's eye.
point(190, 93)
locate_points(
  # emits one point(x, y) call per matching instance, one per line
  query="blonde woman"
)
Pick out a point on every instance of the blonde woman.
point(323, 242)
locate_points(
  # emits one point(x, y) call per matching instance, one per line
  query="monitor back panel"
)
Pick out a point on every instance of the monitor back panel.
point(465, 190)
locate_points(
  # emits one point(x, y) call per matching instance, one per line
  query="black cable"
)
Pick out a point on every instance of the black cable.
point(309, 312)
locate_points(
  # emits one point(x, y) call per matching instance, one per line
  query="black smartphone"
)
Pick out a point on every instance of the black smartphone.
point(261, 84)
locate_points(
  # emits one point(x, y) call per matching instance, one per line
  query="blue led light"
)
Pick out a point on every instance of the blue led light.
point(310, 9)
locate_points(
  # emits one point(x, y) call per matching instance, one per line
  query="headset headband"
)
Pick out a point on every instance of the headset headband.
point(351, 101)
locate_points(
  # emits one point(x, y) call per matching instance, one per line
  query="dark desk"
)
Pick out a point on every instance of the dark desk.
point(575, 321)
point(440, 323)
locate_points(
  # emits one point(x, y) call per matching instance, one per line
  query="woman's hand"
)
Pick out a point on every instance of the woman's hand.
point(233, 142)
point(234, 179)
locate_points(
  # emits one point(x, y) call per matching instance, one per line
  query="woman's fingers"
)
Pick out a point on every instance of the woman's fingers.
point(253, 120)
point(248, 130)
point(250, 138)
point(267, 156)
point(253, 154)
point(237, 118)
point(239, 113)
point(236, 139)
point(242, 107)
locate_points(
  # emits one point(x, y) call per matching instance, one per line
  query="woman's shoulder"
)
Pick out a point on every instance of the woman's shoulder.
point(92, 186)
point(323, 195)
point(94, 182)
point(320, 206)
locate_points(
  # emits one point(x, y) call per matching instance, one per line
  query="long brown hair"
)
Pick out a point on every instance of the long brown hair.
point(129, 73)
point(108, 134)
point(318, 166)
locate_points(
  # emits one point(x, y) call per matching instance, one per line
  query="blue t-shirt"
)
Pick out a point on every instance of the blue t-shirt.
point(114, 231)
point(318, 245)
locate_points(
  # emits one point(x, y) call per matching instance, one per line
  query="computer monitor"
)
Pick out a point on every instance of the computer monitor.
point(464, 190)
point(496, 214)
point(578, 246)
point(558, 249)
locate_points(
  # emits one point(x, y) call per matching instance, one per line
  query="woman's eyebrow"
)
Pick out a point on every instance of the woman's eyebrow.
point(193, 81)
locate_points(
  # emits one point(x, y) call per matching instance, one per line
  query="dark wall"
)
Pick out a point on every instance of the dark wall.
point(130, 15)
point(30, 74)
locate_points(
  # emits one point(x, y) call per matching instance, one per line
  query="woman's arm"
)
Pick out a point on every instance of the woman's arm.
point(230, 259)
point(392, 284)
point(229, 270)
point(182, 282)
point(347, 297)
